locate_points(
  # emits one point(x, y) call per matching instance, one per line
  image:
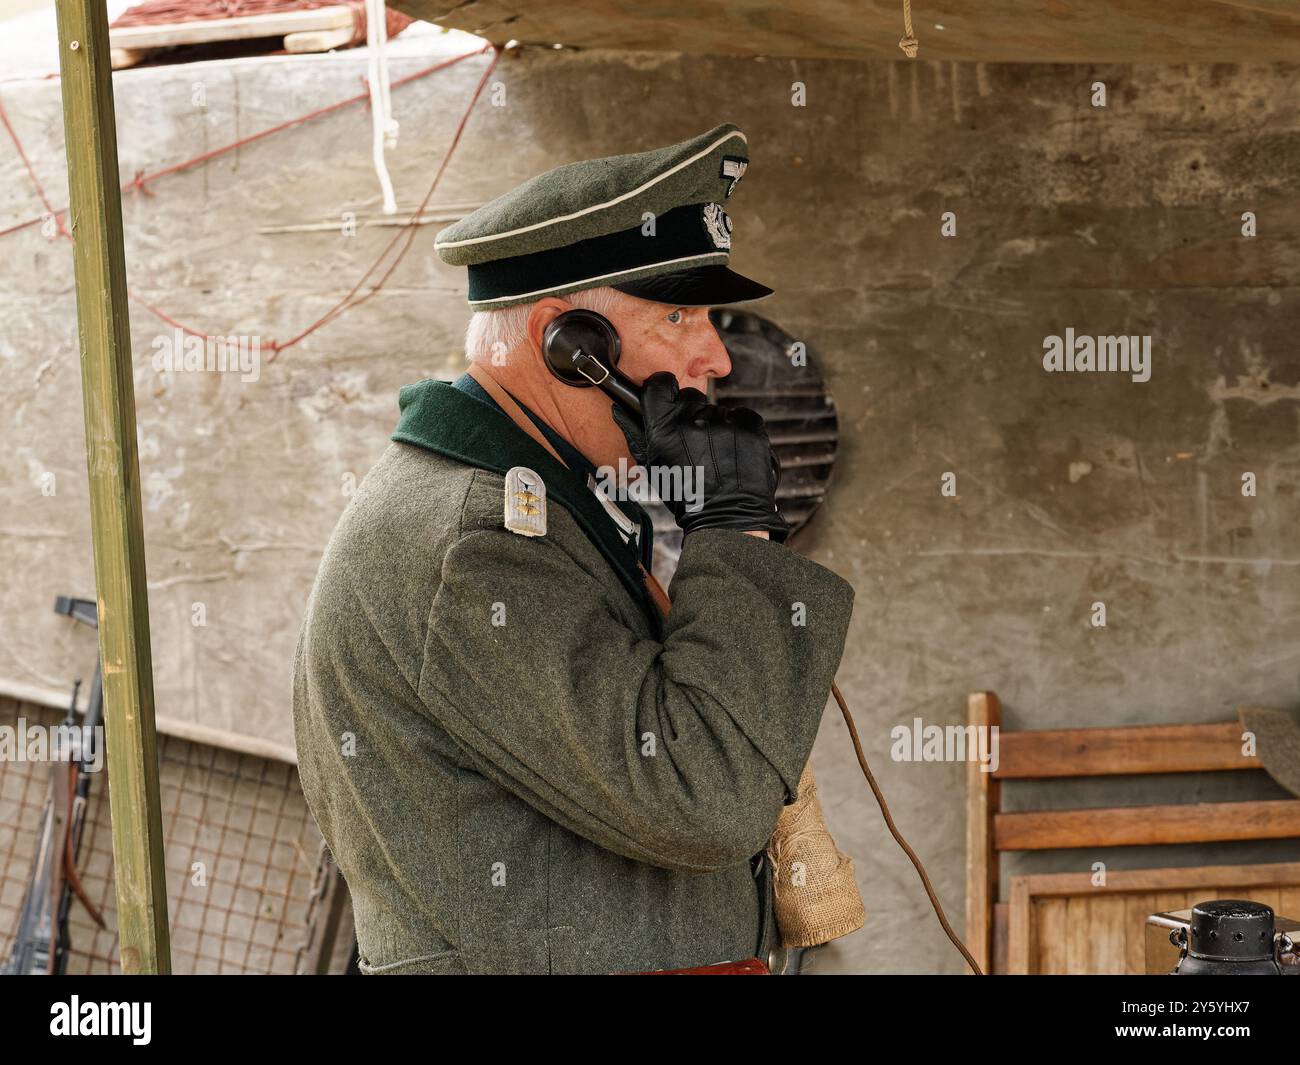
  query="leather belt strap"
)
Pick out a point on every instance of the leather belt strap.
point(512, 409)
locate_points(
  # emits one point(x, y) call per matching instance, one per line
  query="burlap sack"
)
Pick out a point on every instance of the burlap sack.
point(817, 897)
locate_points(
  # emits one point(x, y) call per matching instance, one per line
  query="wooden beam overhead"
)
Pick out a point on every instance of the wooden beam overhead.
point(995, 31)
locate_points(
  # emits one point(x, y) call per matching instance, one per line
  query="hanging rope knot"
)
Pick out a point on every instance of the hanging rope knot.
point(138, 184)
point(909, 44)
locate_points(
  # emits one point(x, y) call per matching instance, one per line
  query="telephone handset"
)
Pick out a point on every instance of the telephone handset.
point(582, 348)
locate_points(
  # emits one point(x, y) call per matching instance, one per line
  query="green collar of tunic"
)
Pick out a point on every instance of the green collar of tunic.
point(440, 417)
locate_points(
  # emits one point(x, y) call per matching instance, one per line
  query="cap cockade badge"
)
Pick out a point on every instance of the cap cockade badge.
point(525, 502)
point(718, 224)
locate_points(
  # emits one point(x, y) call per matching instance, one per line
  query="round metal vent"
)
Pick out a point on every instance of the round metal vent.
point(777, 376)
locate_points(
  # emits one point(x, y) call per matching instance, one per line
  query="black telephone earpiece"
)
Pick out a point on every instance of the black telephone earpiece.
point(582, 348)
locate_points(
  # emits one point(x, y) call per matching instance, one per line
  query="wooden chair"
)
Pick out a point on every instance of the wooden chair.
point(1090, 752)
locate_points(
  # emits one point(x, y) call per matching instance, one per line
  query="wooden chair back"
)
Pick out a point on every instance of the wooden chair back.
point(1091, 752)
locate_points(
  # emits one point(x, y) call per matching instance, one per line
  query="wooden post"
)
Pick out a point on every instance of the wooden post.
point(109, 400)
point(983, 801)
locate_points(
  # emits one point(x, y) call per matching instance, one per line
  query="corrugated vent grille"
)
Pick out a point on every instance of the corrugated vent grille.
point(799, 412)
point(792, 398)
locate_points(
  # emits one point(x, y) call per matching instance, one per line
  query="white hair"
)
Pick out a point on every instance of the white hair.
point(505, 329)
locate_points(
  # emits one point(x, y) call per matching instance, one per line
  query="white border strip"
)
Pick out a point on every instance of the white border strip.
point(185, 730)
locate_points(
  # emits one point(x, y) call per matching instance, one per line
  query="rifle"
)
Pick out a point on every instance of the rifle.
point(41, 941)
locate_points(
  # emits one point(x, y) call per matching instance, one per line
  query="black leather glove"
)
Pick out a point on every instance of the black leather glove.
point(683, 429)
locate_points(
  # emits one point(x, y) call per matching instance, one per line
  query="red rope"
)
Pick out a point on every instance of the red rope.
point(50, 212)
point(407, 231)
point(347, 303)
point(137, 183)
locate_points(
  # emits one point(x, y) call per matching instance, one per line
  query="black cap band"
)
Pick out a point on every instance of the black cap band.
point(695, 235)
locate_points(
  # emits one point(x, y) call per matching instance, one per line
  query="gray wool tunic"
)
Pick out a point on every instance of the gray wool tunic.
point(517, 765)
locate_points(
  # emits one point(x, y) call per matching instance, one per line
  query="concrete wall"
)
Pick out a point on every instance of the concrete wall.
point(1071, 488)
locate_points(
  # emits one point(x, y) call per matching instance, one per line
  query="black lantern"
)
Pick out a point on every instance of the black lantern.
point(1230, 937)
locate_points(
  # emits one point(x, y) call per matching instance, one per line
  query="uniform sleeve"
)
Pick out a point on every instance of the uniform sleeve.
point(678, 753)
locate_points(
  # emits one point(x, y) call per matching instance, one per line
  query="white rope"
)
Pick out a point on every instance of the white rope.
point(384, 127)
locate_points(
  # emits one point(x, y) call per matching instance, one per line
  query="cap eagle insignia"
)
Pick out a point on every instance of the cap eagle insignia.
point(718, 224)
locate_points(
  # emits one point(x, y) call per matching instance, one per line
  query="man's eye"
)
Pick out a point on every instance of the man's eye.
point(674, 317)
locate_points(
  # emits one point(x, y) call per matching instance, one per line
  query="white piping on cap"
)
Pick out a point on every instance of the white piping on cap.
point(601, 277)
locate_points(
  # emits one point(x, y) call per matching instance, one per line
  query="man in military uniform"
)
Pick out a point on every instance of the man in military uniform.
point(518, 762)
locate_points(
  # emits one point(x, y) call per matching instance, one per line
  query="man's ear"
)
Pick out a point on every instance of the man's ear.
point(543, 313)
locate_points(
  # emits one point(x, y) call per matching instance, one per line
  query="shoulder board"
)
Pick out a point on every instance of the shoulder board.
point(525, 502)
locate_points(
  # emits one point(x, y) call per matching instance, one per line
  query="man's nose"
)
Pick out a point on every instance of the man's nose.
point(709, 356)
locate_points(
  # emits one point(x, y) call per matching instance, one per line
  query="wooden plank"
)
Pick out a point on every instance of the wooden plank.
point(186, 730)
point(1137, 908)
point(1001, 921)
point(122, 58)
point(983, 801)
point(95, 207)
point(317, 40)
point(1196, 878)
point(1267, 896)
point(241, 28)
point(1114, 940)
point(1106, 923)
point(1076, 935)
point(1094, 752)
point(1034, 947)
point(1052, 921)
point(1171, 901)
point(1019, 921)
point(1129, 826)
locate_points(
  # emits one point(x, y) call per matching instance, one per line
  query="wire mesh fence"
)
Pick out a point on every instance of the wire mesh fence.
point(244, 859)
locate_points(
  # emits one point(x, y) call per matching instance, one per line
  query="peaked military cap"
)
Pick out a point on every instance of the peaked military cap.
point(651, 224)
